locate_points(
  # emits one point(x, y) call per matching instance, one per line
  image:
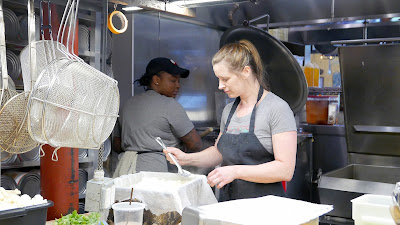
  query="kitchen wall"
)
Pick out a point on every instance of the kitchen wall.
point(191, 46)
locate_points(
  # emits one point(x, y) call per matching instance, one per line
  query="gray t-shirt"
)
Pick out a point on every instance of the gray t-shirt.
point(273, 116)
point(145, 117)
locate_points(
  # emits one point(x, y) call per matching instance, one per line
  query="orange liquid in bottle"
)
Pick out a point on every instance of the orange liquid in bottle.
point(316, 76)
point(308, 72)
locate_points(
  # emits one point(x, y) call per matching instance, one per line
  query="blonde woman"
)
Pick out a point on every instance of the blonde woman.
point(257, 143)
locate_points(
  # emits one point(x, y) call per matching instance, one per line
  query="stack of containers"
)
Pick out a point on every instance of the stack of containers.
point(27, 182)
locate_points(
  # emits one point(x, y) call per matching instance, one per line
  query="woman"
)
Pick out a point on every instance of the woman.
point(257, 143)
point(154, 113)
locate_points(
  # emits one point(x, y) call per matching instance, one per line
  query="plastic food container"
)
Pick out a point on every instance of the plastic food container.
point(128, 214)
point(322, 110)
point(372, 209)
point(31, 215)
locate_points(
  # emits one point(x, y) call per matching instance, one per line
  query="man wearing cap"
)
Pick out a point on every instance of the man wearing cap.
point(154, 113)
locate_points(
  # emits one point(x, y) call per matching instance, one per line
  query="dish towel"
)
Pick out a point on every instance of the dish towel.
point(127, 164)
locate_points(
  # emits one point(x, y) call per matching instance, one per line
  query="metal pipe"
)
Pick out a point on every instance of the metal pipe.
point(361, 41)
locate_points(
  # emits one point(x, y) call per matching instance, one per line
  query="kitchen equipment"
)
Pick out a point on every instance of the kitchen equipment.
point(263, 210)
point(126, 213)
point(6, 93)
point(164, 192)
point(83, 153)
point(372, 209)
point(23, 24)
point(31, 215)
point(371, 112)
point(32, 155)
point(322, 109)
point(13, 65)
point(7, 157)
point(83, 178)
point(75, 106)
point(11, 24)
point(8, 183)
point(106, 149)
point(28, 182)
point(181, 171)
point(83, 38)
point(14, 114)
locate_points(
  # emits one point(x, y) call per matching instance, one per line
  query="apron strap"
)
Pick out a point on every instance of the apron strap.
point(233, 109)
point(253, 113)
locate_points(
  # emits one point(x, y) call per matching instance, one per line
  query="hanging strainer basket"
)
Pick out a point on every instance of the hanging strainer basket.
point(5, 93)
point(75, 107)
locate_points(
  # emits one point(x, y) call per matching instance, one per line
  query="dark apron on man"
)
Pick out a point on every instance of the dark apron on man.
point(245, 149)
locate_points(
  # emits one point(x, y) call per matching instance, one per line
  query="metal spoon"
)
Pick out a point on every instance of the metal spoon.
point(181, 171)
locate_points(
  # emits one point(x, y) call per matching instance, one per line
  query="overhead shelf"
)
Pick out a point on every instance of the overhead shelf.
point(324, 90)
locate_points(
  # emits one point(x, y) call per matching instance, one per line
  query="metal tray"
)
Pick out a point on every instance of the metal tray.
point(340, 186)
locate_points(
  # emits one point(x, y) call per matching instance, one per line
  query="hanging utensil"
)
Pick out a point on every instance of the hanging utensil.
point(75, 106)
point(181, 171)
point(14, 133)
point(6, 94)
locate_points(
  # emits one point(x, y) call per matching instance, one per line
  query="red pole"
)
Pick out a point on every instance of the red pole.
point(59, 180)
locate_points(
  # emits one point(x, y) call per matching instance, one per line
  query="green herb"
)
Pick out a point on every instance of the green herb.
point(74, 219)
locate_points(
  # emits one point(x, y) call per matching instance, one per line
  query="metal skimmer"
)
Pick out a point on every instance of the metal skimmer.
point(181, 171)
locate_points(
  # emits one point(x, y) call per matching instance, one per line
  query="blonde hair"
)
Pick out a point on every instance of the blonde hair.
point(240, 54)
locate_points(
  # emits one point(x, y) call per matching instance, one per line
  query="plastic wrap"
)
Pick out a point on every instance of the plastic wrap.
point(192, 190)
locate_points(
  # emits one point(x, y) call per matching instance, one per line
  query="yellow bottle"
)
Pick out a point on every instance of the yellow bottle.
point(308, 72)
point(316, 75)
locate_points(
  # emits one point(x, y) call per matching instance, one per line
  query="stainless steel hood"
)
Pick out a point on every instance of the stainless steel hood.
point(371, 93)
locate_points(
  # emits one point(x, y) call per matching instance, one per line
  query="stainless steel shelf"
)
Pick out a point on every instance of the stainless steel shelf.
point(318, 90)
point(16, 165)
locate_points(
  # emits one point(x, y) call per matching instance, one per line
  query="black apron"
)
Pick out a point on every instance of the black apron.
point(245, 149)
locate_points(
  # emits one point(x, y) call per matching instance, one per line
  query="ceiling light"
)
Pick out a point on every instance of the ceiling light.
point(132, 8)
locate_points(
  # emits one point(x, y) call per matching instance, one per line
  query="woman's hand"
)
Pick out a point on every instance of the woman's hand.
point(222, 175)
point(182, 157)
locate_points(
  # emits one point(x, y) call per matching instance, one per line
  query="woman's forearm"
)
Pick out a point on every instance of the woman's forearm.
point(271, 172)
point(209, 157)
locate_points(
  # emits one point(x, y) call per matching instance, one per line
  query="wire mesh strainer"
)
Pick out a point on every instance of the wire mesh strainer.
point(6, 94)
point(14, 134)
point(73, 104)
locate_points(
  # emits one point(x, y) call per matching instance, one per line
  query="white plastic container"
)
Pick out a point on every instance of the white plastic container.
point(371, 209)
point(128, 214)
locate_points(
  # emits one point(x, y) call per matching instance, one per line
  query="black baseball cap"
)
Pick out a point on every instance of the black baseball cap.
point(159, 64)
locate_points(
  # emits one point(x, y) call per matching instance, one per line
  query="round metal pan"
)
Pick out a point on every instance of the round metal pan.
point(285, 76)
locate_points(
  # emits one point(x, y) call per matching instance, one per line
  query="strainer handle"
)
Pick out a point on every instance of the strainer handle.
point(32, 42)
point(48, 26)
point(3, 56)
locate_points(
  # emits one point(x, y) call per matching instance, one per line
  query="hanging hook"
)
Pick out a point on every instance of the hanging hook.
point(54, 156)
point(115, 6)
point(41, 151)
